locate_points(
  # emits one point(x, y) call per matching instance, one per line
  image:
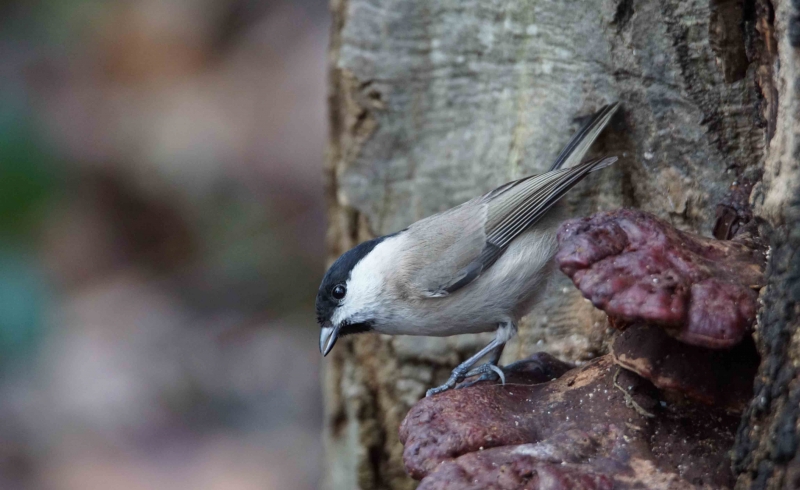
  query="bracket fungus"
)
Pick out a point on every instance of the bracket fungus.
point(595, 427)
point(653, 280)
point(660, 411)
point(638, 268)
point(722, 378)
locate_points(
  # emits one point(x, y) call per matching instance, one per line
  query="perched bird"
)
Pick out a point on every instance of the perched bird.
point(477, 267)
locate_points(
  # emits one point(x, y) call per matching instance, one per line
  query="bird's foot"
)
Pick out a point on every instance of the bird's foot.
point(456, 377)
point(435, 391)
point(491, 372)
point(488, 371)
point(495, 348)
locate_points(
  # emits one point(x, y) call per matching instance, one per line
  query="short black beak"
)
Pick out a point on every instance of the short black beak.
point(327, 338)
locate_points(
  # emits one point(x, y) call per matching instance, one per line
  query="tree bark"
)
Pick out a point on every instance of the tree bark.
point(434, 102)
point(766, 453)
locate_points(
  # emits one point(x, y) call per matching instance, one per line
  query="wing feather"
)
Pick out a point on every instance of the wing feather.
point(461, 243)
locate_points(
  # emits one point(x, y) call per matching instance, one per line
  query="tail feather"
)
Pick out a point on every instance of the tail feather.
point(605, 162)
point(579, 144)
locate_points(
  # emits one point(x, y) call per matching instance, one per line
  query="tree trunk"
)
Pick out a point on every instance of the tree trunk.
point(767, 451)
point(434, 102)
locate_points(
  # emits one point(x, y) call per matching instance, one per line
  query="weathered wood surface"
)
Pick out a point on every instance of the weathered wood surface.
point(434, 102)
point(767, 452)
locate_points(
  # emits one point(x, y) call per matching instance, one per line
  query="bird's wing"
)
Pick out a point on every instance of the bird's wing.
point(441, 248)
point(520, 206)
point(453, 248)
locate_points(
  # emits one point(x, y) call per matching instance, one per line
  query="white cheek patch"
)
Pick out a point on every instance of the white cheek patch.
point(366, 284)
point(348, 310)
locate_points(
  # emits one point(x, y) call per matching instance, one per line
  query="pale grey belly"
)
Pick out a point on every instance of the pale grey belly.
point(505, 292)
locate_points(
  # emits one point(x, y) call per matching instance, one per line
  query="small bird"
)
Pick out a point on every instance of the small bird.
point(478, 267)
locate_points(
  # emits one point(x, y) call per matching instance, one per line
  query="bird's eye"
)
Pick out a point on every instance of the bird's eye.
point(339, 291)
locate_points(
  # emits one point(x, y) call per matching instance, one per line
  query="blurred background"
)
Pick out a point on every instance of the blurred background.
point(161, 241)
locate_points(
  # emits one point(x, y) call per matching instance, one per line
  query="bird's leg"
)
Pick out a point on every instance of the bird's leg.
point(461, 370)
point(504, 333)
point(489, 369)
point(493, 372)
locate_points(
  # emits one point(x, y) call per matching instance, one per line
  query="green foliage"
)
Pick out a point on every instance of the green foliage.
point(26, 178)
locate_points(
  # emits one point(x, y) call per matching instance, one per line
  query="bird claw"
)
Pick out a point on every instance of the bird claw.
point(492, 372)
point(437, 390)
point(447, 386)
point(499, 373)
point(488, 372)
point(456, 377)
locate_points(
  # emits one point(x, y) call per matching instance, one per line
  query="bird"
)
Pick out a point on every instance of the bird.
point(478, 267)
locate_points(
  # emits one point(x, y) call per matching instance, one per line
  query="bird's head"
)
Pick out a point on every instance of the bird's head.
point(349, 294)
